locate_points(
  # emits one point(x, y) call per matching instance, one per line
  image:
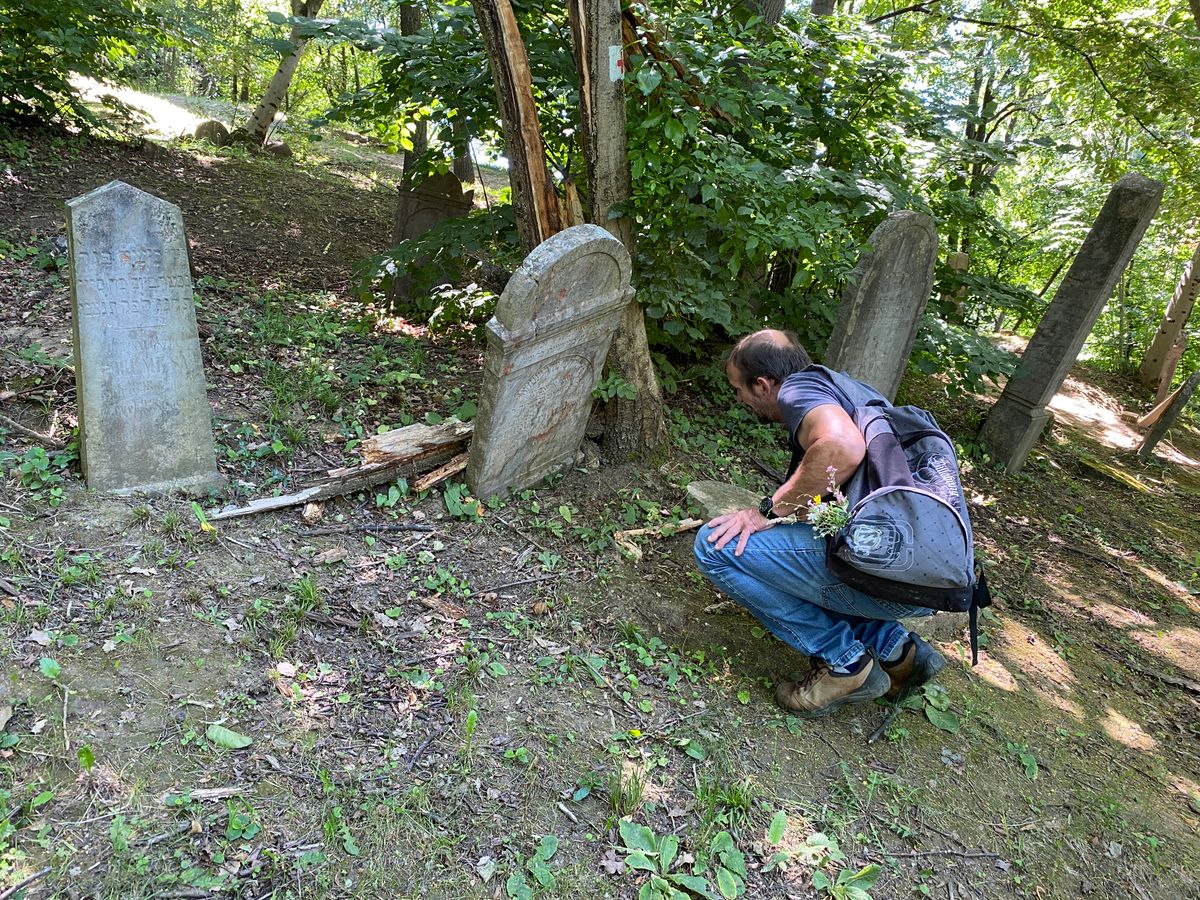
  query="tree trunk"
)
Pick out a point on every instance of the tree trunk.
point(771, 10)
point(1196, 12)
point(633, 427)
point(263, 117)
point(823, 7)
point(462, 168)
point(1155, 365)
point(410, 23)
point(534, 201)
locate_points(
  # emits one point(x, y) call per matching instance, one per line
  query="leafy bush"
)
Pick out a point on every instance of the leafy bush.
point(47, 41)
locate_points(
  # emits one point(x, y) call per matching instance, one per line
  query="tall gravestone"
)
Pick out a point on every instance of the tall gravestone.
point(883, 302)
point(546, 349)
point(1017, 419)
point(419, 208)
point(144, 419)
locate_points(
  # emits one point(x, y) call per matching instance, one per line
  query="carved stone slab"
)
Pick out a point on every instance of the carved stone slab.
point(419, 208)
point(144, 419)
point(546, 348)
point(1016, 421)
point(883, 302)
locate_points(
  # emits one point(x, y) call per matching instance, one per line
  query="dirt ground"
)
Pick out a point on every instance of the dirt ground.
point(440, 703)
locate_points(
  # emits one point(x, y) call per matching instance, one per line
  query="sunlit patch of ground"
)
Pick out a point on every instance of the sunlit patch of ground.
point(1109, 613)
point(1125, 731)
point(1044, 672)
point(1179, 646)
point(165, 119)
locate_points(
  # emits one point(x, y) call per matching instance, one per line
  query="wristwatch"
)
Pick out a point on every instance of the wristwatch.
point(766, 507)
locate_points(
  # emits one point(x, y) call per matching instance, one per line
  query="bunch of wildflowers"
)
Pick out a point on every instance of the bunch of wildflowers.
point(828, 517)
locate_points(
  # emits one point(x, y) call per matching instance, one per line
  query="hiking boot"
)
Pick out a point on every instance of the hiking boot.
point(918, 664)
point(824, 691)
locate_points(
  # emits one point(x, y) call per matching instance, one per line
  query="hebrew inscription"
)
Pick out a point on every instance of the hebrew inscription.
point(144, 418)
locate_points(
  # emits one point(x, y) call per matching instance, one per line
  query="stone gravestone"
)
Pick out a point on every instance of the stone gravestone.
point(1016, 421)
point(546, 349)
point(883, 302)
point(419, 208)
point(1169, 415)
point(144, 419)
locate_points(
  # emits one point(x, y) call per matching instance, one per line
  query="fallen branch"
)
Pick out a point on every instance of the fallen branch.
point(386, 457)
point(372, 529)
point(46, 440)
point(24, 883)
point(1183, 683)
point(633, 551)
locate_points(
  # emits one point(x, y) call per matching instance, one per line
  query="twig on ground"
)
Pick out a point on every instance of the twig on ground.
point(46, 440)
point(342, 529)
point(566, 812)
point(1183, 683)
point(892, 715)
point(24, 883)
point(963, 854)
point(495, 589)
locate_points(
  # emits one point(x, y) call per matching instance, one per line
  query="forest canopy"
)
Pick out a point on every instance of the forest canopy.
point(764, 144)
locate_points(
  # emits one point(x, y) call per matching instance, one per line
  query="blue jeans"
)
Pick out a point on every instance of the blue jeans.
point(782, 580)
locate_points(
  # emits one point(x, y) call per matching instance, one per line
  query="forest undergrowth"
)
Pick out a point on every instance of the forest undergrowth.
point(413, 695)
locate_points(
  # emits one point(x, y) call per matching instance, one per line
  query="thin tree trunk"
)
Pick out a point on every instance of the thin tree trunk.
point(263, 117)
point(534, 200)
point(636, 426)
point(1155, 364)
point(771, 10)
point(462, 167)
point(823, 7)
point(410, 23)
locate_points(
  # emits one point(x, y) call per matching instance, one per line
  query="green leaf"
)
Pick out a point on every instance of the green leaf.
point(547, 847)
point(776, 829)
point(667, 848)
point(863, 879)
point(943, 719)
point(638, 837)
point(695, 750)
point(638, 860)
point(49, 668)
point(541, 872)
point(693, 883)
point(221, 736)
point(727, 883)
point(648, 78)
point(87, 758)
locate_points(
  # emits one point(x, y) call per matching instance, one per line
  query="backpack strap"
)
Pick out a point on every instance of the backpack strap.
point(980, 597)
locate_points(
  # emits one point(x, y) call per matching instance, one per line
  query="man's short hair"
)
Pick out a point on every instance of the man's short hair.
point(764, 355)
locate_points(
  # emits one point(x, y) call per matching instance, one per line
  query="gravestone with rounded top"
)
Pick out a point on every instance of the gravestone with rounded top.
point(420, 207)
point(1018, 417)
point(144, 419)
point(883, 302)
point(546, 349)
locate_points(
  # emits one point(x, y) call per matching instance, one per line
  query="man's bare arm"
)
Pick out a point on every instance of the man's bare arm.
point(829, 438)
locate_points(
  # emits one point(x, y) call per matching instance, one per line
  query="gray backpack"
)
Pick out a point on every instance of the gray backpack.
point(909, 536)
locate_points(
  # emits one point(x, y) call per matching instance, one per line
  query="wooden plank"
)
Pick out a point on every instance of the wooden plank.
point(394, 453)
point(456, 465)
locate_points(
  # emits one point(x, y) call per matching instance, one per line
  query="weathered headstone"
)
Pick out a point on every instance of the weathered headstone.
point(883, 302)
point(1178, 401)
point(546, 348)
point(1016, 421)
point(419, 208)
point(144, 419)
point(212, 131)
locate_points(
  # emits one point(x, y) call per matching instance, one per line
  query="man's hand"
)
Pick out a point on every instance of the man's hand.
point(740, 524)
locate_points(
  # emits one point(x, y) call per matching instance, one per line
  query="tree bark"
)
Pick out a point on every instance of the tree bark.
point(823, 7)
point(633, 427)
point(771, 10)
point(1196, 12)
point(462, 166)
point(1157, 364)
point(410, 23)
point(259, 124)
point(534, 200)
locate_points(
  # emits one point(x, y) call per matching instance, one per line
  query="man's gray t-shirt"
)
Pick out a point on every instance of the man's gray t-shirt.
point(809, 388)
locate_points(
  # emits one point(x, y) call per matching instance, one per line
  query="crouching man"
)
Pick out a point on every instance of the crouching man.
point(776, 569)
